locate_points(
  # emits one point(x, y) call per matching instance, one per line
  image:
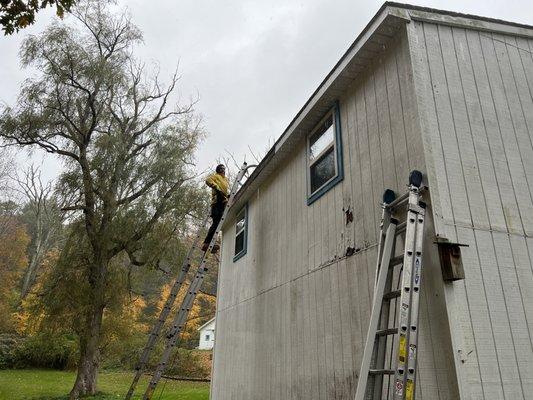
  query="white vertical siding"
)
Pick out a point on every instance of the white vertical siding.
point(475, 103)
point(303, 305)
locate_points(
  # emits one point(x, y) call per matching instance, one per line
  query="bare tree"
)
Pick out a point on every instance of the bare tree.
point(42, 216)
point(6, 167)
point(127, 153)
point(8, 207)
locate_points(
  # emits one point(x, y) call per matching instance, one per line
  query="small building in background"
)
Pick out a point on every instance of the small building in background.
point(207, 335)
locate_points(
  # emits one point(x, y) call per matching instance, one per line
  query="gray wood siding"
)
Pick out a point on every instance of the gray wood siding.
point(474, 93)
point(292, 313)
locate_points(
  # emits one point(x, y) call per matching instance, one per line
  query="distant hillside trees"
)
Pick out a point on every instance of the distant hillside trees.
point(13, 260)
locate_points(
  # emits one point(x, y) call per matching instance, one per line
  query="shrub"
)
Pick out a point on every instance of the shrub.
point(45, 352)
point(191, 364)
point(8, 345)
point(123, 354)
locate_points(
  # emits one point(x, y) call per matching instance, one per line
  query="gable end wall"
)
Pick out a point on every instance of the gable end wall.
point(292, 313)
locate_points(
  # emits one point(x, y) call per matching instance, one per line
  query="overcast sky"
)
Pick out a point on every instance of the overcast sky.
point(254, 63)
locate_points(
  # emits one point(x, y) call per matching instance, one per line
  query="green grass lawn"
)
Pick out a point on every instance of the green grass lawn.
point(55, 385)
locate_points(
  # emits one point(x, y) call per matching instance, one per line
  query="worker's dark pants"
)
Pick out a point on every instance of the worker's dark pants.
point(217, 210)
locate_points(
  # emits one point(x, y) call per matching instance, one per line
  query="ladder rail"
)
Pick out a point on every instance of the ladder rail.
point(415, 299)
point(384, 224)
point(381, 350)
point(183, 312)
point(165, 311)
point(376, 305)
point(391, 354)
point(406, 305)
point(389, 197)
point(378, 357)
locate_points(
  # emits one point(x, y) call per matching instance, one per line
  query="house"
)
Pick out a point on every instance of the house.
point(445, 93)
point(207, 335)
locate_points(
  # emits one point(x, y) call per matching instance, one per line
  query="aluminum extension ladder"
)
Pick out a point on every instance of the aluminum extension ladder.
point(181, 317)
point(390, 351)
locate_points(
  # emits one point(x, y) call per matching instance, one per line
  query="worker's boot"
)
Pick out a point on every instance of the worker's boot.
point(215, 249)
point(205, 246)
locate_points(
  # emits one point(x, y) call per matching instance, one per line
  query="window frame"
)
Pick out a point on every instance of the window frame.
point(245, 231)
point(334, 114)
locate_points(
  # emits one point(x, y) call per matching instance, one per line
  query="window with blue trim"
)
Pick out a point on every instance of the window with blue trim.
point(324, 156)
point(241, 231)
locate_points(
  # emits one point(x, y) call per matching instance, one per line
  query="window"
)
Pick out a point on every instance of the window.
point(207, 337)
point(324, 156)
point(241, 229)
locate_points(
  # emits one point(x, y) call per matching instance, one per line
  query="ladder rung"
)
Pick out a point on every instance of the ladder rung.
point(400, 200)
point(392, 295)
point(381, 372)
point(386, 332)
point(396, 261)
point(400, 227)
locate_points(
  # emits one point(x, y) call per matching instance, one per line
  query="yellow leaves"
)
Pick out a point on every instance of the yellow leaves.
point(23, 21)
point(198, 314)
point(13, 260)
point(15, 240)
point(120, 325)
point(131, 315)
point(165, 292)
point(30, 314)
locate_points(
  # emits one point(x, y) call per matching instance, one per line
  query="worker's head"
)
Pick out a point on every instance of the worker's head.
point(221, 169)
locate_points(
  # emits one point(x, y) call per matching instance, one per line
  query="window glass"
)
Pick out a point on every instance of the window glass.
point(207, 337)
point(241, 220)
point(239, 243)
point(240, 233)
point(322, 139)
point(324, 150)
point(322, 170)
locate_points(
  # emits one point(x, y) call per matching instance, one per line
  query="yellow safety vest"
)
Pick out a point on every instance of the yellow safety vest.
point(218, 183)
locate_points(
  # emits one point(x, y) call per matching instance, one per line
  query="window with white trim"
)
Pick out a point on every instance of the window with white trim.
point(323, 156)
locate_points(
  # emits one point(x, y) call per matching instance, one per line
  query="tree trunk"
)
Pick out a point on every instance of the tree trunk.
point(89, 361)
point(31, 272)
point(29, 277)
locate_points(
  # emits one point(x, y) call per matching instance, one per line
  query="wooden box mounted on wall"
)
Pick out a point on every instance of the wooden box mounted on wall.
point(450, 259)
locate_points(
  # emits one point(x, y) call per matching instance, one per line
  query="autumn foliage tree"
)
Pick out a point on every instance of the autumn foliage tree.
point(126, 145)
point(13, 261)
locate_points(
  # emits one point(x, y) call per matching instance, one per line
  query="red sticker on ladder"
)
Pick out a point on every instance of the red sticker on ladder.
point(399, 388)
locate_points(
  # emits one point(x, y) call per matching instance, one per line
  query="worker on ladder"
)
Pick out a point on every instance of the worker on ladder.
point(219, 197)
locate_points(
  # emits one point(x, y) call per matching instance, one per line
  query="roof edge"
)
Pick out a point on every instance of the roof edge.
point(207, 323)
point(412, 7)
point(389, 9)
point(380, 14)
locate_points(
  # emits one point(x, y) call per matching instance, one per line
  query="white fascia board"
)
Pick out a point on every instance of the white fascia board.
point(470, 23)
